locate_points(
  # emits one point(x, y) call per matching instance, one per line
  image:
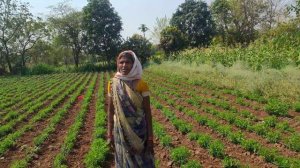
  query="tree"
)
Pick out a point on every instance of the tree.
point(32, 31)
point(272, 11)
point(103, 26)
point(68, 25)
point(194, 19)
point(13, 16)
point(295, 8)
point(161, 23)
point(140, 45)
point(221, 14)
point(172, 40)
point(143, 29)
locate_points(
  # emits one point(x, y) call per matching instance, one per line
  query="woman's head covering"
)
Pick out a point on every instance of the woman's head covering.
point(136, 70)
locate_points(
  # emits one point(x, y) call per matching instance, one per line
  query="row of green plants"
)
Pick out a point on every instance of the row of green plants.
point(196, 99)
point(237, 137)
point(99, 148)
point(280, 110)
point(180, 155)
point(264, 129)
point(19, 105)
point(215, 147)
point(73, 131)
point(57, 95)
point(27, 89)
point(11, 139)
point(51, 127)
point(272, 106)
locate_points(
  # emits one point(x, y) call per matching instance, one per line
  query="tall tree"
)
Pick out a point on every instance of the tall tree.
point(68, 26)
point(194, 19)
point(221, 14)
point(172, 40)
point(103, 26)
point(272, 11)
point(143, 29)
point(13, 16)
point(140, 45)
point(161, 23)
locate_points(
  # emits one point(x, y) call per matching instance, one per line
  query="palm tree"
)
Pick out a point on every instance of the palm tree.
point(143, 29)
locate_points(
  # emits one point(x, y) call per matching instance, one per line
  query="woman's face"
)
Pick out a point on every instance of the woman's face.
point(124, 65)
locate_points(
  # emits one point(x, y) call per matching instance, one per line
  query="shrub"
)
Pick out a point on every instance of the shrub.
point(193, 136)
point(204, 140)
point(268, 154)
point(192, 164)
point(42, 69)
point(297, 107)
point(216, 148)
point(273, 136)
point(270, 121)
point(166, 141)
point(180, 155)
point(251, 145)
point(231, 163)
point(275, 107)
point(236, 137)
point(293, 142)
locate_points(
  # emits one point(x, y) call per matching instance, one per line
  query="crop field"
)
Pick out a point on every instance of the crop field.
point(59, 120)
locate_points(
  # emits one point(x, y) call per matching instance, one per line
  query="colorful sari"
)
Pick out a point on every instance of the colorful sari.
point(130, 130)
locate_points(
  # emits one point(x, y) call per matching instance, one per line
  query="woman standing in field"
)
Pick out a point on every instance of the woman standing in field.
point(129, 115)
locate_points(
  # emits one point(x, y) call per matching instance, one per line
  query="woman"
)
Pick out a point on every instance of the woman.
point(129, 115)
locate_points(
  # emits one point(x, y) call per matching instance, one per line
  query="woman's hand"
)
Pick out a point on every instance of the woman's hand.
point(149, 147)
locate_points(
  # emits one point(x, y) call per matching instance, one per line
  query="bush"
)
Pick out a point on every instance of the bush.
point(231, 163)
point(275, 107)
point(297, 107)
point(180, 155)
point(216, 148)
point(192, 164)
point(293, 142)
point(204, 140)
point(42, 69)
point(251, 145)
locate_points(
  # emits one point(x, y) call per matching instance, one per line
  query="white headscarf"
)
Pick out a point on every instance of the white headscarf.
point(136, 70)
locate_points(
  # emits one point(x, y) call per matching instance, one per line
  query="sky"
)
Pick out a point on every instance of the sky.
point(133, 13)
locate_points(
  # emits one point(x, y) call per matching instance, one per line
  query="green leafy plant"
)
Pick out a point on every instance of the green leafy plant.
point(216, 149)
point(275, 107)
point(229, 162)
point(180, 155)
point(192, 164)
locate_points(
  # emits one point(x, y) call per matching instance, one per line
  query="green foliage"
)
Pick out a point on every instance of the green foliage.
point(166, 140)
point(229, 162)
point(103, 27)
point(236, 137)
point(182, 126)
point(42, 69)
point(140, 46)
point(273, 136)
point(192, 164)
point(193, 18)
point(293, 142)
point(180, 155)
point(204, 140)
point(270, 121)
point(275, 107)
point(268, 154)
point(172, 40)
point(251, 145)
point(216, 149)
point(297, 107)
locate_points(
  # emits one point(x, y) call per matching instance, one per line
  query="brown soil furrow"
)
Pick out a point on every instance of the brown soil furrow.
point(52, 146)
point(26, 141)
point(85, 136)
point(231, 149)
point(179, 139)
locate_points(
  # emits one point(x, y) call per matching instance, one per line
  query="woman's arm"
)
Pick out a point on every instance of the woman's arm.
point(110, 118)
point(148, 116)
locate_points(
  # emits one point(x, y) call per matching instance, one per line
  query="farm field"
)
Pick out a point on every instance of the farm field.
point(60, 120)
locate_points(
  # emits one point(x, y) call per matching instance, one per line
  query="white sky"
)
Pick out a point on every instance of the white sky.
point(133, 13)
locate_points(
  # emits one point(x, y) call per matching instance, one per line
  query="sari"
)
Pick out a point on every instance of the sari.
point(130, 129)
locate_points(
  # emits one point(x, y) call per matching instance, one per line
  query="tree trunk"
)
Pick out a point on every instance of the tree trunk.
point(6, 55)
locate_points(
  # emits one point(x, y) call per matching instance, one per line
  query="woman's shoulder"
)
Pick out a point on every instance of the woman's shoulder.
point(142, 87)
